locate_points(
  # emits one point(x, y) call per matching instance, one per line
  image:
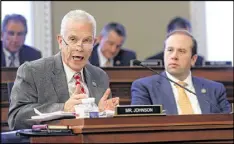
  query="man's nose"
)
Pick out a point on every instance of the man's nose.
point(15, 38)
point(174, 55)
point(113, 48)
point(79, 46)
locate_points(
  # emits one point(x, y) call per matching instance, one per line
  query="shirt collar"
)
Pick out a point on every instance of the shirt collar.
point(8, 54)
point(70, 73)
point(188, 80)
point(102, 58)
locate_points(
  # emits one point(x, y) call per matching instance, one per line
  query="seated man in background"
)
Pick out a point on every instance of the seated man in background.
point(174, 24)
point(179, 56)
point(14, 51)
point(108, 50)
point(60, 82)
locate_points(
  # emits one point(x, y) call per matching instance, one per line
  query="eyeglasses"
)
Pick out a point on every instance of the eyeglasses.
point(84, 44)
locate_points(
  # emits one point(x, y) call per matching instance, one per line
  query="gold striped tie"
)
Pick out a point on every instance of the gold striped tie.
point(183, 100)
point(108, 63)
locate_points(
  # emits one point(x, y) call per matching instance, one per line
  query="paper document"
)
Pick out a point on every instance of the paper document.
point(51, 116)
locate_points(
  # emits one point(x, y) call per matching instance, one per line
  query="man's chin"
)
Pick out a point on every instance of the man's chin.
point(109, 57)
point(13, 49)
point(173, 71)
point(77, 67)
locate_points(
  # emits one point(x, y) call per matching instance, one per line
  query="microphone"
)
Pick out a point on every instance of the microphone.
point(137, 62)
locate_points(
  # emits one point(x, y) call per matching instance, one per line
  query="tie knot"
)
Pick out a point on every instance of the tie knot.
point(181, 83)
point(108, 63)
point(12, 56)
point(77, 76)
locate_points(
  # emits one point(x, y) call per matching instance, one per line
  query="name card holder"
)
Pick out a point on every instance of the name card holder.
point(217, 63)
point(150, 63)
point(138, 110)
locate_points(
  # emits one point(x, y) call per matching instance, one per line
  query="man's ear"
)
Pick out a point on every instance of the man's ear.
point(59, 40)
point(97, 39)
point(193, 60)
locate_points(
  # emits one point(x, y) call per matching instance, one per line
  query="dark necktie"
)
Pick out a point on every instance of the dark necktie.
point(12, 60)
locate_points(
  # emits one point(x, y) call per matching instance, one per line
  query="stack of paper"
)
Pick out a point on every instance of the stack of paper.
point(51, 116)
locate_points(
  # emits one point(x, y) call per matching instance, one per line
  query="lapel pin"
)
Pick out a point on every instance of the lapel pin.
point(94, 84)
point(203, 90)
point(117, 62)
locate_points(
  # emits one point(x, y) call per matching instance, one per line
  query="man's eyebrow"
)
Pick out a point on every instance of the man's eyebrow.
point(88, 37)
point(71, 36)
point(181, 48)
point(170, 47)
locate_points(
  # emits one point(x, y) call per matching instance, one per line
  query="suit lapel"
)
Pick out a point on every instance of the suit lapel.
point(117, 61)
point(168, 100)
point(92, 84)
point(22, 56)
point(88, 80)
point(59, 79)
point(201, 95)
point(94, 59)
point(3, 59)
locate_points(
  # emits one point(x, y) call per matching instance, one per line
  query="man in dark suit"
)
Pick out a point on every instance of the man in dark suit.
point(179, 56)
point(108, 49)
point(177, 23)
point(13, 50)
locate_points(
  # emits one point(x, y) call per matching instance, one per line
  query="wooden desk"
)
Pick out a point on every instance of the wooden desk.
point(121, 79)
point(186, 128)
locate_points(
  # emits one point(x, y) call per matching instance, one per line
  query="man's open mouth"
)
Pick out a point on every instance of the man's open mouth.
point(77, 58)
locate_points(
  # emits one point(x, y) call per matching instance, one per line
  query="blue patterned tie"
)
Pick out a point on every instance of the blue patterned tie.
point(12, 60)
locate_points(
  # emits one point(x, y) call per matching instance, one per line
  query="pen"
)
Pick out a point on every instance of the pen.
point(45, 126)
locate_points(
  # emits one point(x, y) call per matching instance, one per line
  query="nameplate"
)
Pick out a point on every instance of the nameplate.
point(137, 110)
point(152, 63)
point(218, 63)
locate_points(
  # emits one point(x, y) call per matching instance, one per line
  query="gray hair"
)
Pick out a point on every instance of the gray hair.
point(78, 15)
point(14, 17)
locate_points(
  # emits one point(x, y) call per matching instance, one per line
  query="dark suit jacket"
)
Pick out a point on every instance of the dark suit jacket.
point(122, 59)
point(160, 56)
point(155, 89)
point(26, 53)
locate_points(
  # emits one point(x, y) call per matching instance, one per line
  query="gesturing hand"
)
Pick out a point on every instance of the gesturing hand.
point(107, 104)
point(75, 99)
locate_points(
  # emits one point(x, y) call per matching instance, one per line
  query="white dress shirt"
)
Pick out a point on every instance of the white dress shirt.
point(71, 80)
point(8, 60)
point(192, 98)
point(102, 58)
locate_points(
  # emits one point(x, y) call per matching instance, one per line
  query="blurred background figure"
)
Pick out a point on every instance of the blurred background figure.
point(108, 50)
point(176, 24)
point(13, 50)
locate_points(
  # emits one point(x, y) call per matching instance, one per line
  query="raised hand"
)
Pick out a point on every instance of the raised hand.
point(74, 99)
point(108, 104)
